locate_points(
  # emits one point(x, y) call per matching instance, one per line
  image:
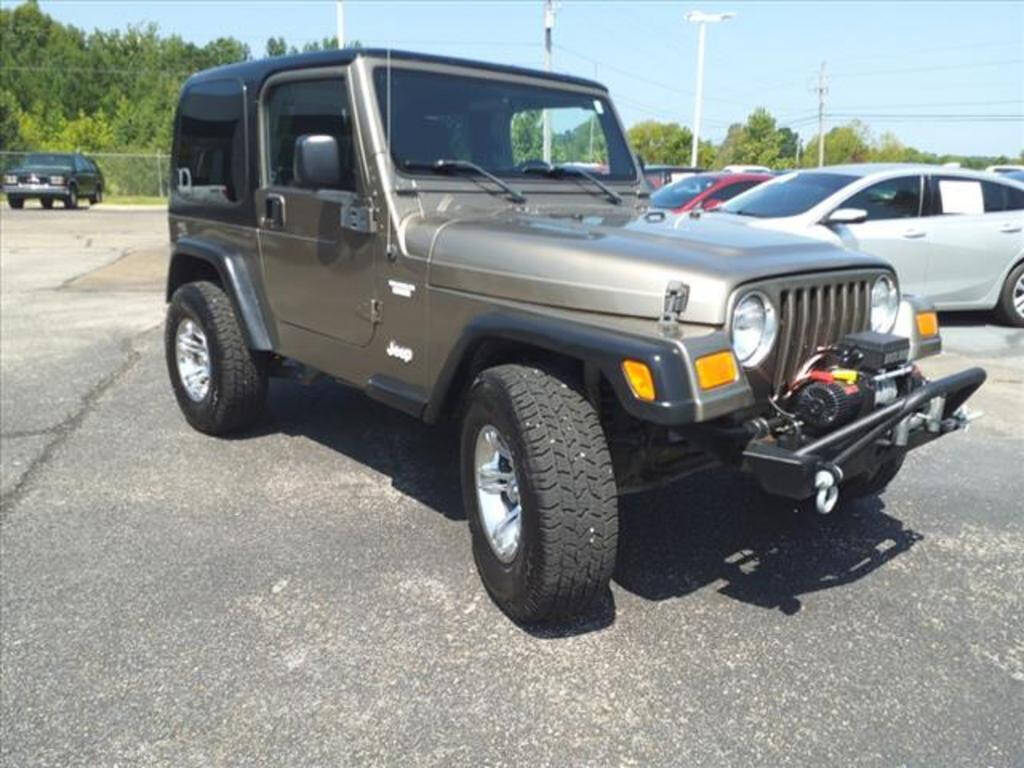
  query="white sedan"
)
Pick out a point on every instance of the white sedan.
point(953, 235)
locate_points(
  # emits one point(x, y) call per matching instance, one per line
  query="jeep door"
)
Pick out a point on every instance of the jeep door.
point(318, 274)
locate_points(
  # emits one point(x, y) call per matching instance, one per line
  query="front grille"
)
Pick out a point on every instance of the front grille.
point(817, 316)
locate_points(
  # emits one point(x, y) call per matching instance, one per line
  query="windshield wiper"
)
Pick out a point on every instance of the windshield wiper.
point(554, 171)
point(441, 165)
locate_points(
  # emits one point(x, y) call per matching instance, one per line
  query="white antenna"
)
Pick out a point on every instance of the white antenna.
point(339, 13)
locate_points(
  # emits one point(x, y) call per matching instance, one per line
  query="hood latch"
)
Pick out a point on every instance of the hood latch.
point(676, 296)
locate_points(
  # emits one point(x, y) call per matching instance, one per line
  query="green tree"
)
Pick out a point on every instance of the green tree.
point(10, 135)
point(276, 46)
point(659, 142)
point(527, 135)
point(756, 142)
point(850, 143)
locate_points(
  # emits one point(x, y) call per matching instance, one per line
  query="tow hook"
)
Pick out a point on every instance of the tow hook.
point(826, 481)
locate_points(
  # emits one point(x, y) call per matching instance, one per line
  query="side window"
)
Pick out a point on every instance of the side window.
point(209, 154)
point(898, 198)
point(1001, 197)
point(78, 164)
point(728, 193)
point(299, 108)
point(955, 195)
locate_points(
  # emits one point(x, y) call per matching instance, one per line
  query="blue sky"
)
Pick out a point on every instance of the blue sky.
point(928, 71)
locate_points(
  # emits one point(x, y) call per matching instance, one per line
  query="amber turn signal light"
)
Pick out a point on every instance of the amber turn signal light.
point(716, 369)
point(927, 323)
point(640, 380)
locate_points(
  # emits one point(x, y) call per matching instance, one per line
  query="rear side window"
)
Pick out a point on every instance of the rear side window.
point(1001, 197)
point(308, 107)
point(898, 198)
point(209, 154)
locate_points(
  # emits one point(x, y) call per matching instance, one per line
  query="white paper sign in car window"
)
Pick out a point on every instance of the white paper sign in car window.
point(961, 196)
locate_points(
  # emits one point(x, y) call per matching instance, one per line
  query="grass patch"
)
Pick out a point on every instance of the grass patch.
point(134, 200)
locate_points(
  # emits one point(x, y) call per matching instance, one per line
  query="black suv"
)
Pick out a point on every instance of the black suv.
point(51, 176)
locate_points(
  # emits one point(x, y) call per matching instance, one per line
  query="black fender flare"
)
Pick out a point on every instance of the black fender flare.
point(678, 399)
point(236, 279)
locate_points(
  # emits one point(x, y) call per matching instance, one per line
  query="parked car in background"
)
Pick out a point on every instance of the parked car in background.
point(1015, 175)
point(660, 175)
point(49, 176)
point(704, 190)
point(954, 235)
point(1005, 169)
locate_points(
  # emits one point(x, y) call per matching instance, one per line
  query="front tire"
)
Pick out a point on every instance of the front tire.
point(71, 199)
point(1010, 308)
point(552, 471)
point(17, 203)
point(220, 384)
point(47, 202)
point(872, 483)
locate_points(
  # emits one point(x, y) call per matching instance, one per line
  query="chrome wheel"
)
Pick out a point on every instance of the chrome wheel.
point(193, 357)
point(497, 493)
point(1018, 296)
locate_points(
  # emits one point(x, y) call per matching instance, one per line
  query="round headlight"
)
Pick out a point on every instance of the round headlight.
point(754, 324)
point(885, 304)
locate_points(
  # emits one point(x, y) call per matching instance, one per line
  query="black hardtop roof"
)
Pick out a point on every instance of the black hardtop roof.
point(255, 72)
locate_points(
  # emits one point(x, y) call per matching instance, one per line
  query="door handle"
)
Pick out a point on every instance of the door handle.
point(912, 233)
point(273, 212)
point(1009, 227)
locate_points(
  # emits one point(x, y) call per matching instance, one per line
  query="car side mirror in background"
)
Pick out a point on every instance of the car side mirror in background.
point(846, 216)
point(316, 164)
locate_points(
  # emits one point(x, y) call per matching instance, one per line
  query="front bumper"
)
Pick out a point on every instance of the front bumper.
point(34, 190)
point(820, 466)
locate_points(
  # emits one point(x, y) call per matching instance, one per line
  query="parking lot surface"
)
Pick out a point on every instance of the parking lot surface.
point(305, 594)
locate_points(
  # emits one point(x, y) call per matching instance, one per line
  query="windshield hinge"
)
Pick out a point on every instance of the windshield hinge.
point(676, 296)
point(358, 216)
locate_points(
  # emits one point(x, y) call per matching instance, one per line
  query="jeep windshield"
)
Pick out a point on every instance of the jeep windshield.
point(788, 195)
point(498, 125)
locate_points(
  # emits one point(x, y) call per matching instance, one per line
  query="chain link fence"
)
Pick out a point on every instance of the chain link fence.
point(125, 174)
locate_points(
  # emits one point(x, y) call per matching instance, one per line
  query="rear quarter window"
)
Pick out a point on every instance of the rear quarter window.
point(210, 152)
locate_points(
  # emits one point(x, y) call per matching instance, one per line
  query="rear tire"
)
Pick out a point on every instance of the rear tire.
point(16, 202)
point(47, 202)
point(97, 196)
point(567, 532)
point(1010, 308)
point(231, 395)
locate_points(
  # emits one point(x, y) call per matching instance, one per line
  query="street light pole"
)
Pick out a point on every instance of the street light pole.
point(703, 19)
point(549, 24)
point(339, 13)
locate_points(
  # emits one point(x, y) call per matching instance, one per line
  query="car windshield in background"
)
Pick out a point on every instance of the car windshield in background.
point(681, 192)
point(497, 125)
point(48, 159)
point(789, 195)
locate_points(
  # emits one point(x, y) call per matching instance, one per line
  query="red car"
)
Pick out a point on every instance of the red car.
point(704, 190)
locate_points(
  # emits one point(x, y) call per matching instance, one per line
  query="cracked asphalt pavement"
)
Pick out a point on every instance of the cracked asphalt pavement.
point(305, 595)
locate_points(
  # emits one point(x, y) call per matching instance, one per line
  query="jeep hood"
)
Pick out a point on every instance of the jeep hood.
point(617, 264)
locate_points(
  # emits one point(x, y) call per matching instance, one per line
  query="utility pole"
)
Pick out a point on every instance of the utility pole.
point(703, 19)
point(822, 89)
point(549, 25)
point(339, 12)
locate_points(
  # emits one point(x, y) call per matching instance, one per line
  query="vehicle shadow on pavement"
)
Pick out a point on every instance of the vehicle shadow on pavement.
point(420, 459)
point(711, 528)
point(717, 529)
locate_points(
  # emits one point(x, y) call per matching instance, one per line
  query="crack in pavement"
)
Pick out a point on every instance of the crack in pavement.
point(65, 429)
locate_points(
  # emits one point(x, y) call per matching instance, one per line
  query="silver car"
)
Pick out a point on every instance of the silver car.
point(955, 236)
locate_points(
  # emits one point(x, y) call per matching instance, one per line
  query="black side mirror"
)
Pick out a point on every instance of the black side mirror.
point(317, 164)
